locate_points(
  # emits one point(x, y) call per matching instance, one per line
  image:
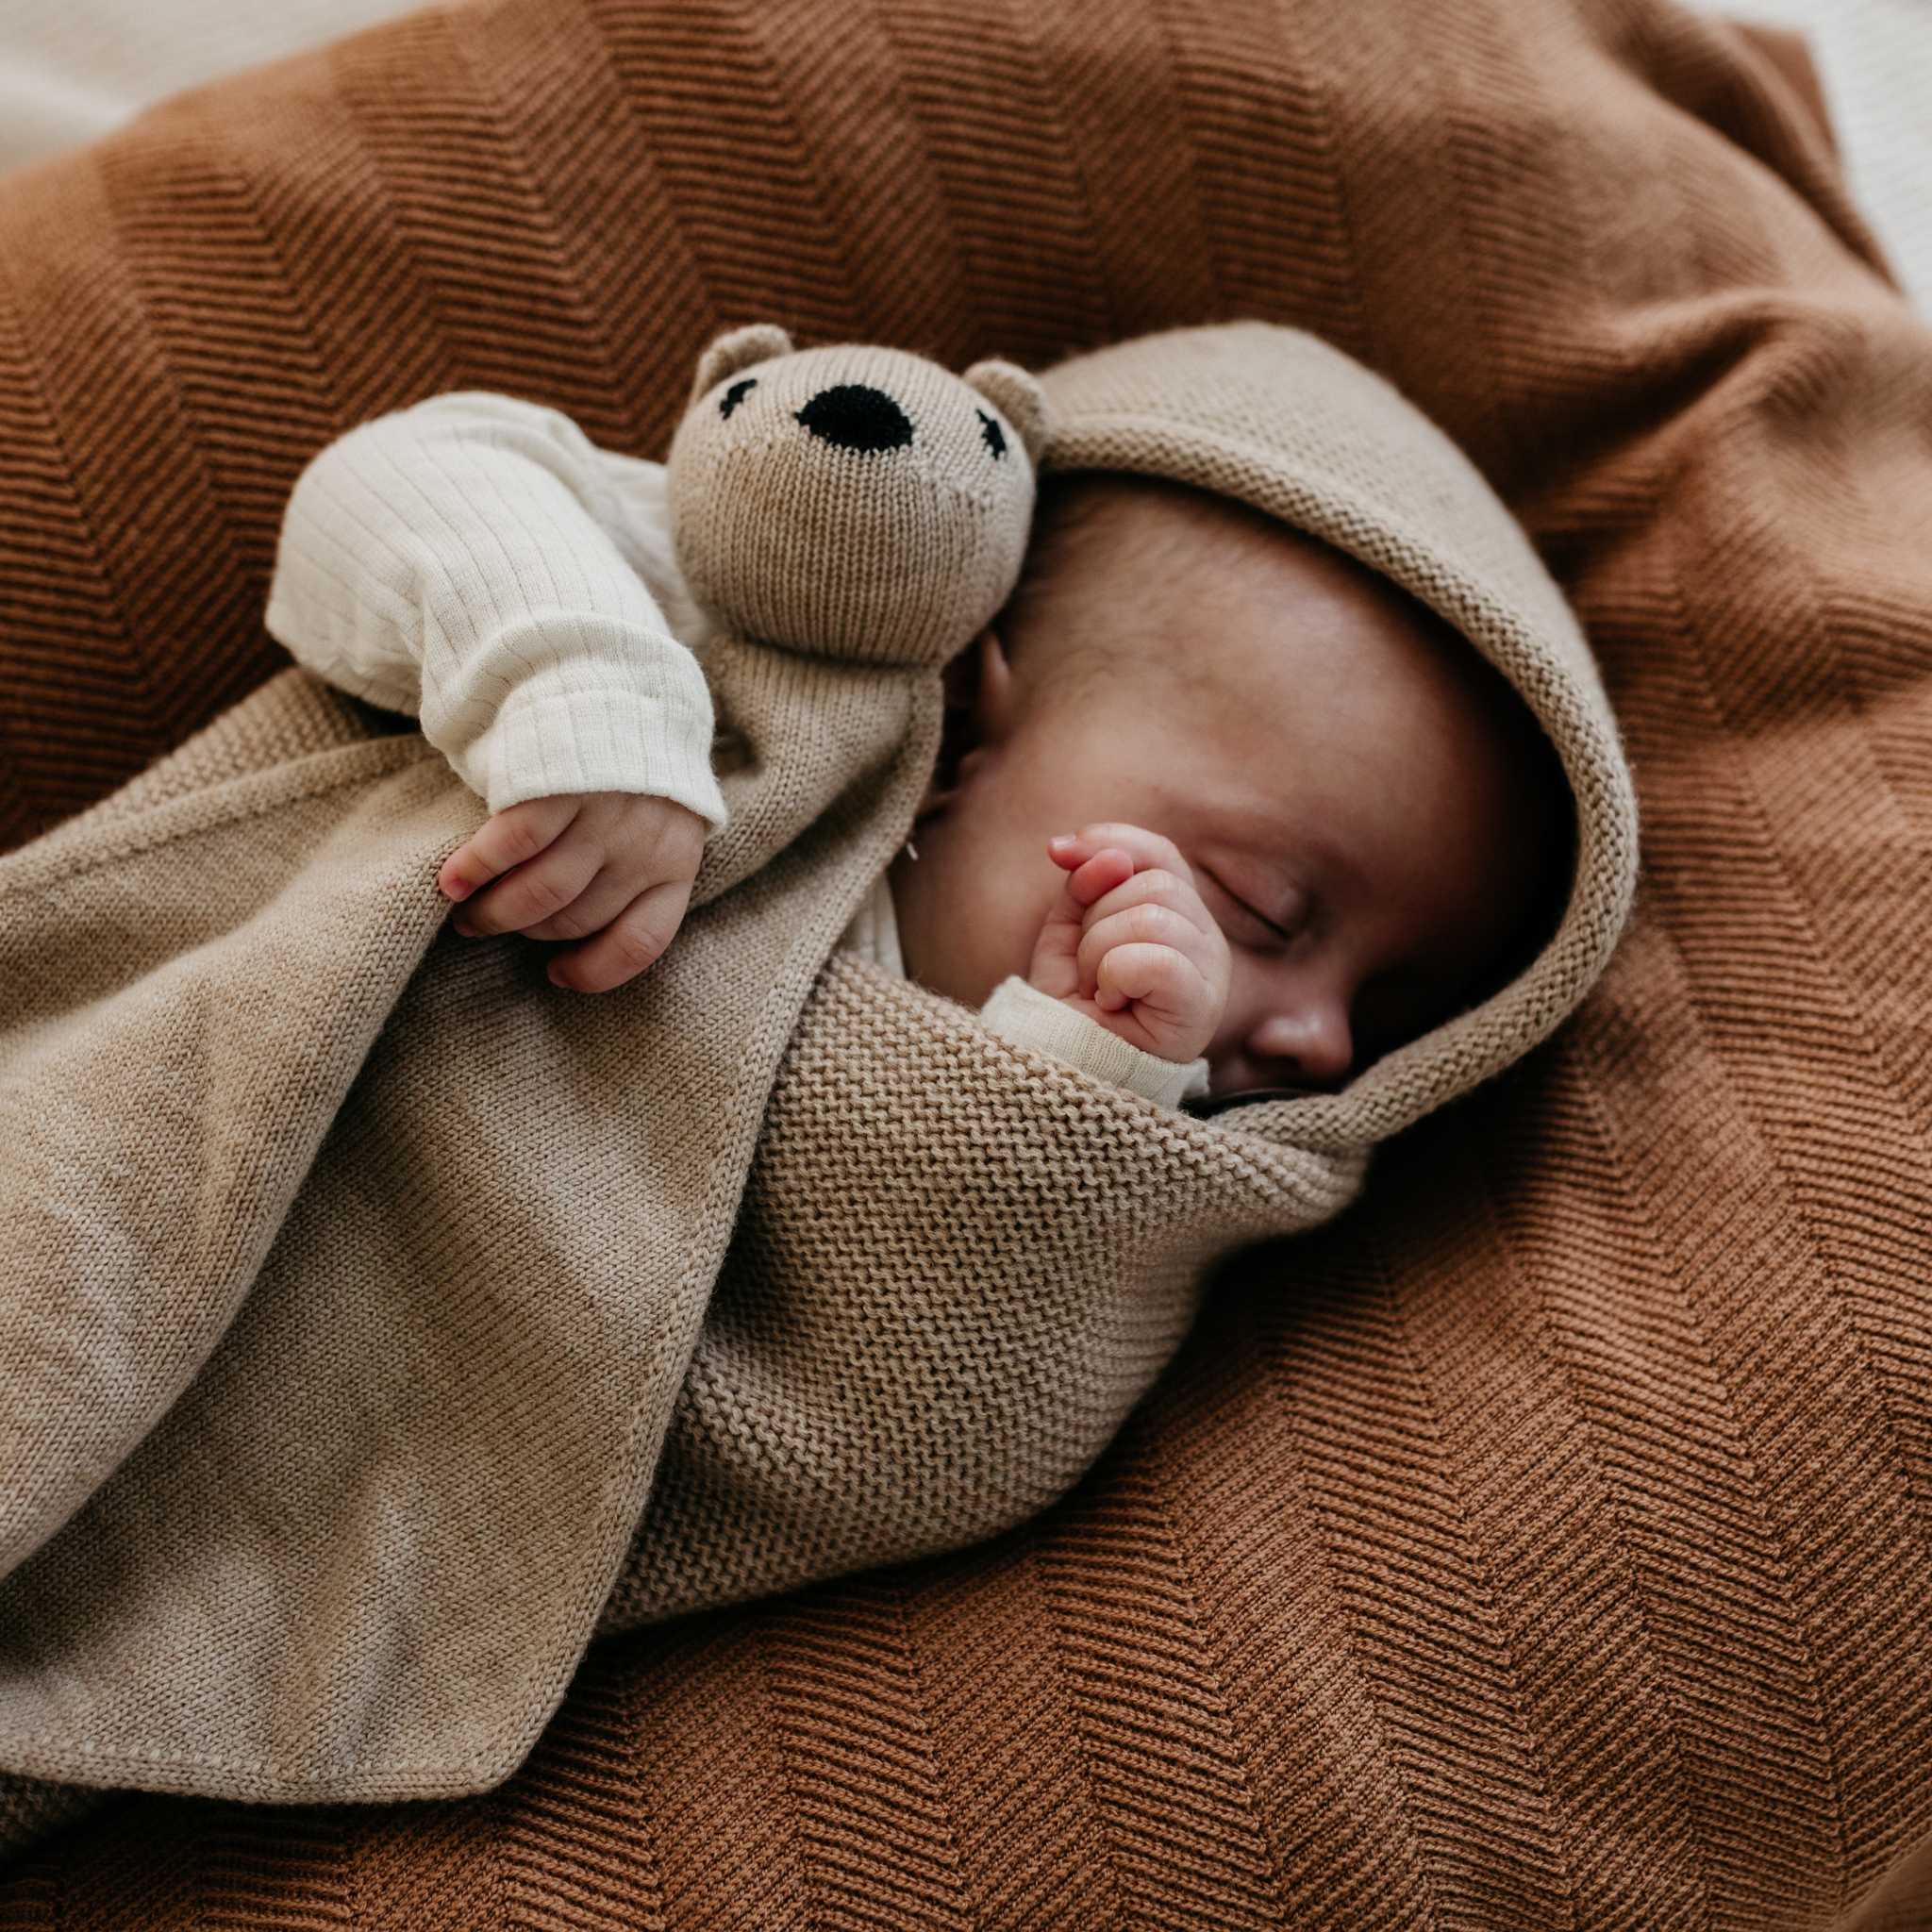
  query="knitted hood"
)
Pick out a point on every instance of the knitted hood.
point(1281, 419)
point(381, 1325)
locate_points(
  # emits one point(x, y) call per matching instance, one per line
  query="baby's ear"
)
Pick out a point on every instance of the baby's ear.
point(1018, 396)
point(756, 341)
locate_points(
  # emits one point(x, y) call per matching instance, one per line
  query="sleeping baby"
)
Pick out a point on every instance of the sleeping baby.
point(1291, 818)
point(1220, 811)
point(936, 791)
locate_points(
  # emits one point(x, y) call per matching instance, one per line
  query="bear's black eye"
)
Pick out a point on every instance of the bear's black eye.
point(734, 395)
point(990, 430)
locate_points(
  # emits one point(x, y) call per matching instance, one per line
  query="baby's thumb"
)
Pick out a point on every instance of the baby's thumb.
point(1054, 967)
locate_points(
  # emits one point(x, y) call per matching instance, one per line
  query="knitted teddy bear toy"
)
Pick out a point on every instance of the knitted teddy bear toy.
point(454, 560)
point(855, 501)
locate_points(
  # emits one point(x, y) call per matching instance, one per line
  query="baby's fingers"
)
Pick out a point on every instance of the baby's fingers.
point(516, 833)
point(1088, 879)
point(1168, 988)
point(1146, 923)
point(638, 937)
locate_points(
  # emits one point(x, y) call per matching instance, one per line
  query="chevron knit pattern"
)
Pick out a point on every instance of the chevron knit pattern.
point(1545, 1547)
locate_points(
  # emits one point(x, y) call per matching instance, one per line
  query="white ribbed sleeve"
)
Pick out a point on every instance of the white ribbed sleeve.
point(1017, 1011)
point(460, 561)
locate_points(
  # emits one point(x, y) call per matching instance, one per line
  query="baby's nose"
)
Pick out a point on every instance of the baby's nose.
point(853, 415)
point(1307, 1042)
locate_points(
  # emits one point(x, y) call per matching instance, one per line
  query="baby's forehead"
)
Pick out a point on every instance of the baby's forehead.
point(1160, 577)
point(1248, 637)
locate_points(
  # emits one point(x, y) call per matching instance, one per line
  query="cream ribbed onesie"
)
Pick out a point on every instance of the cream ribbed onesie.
point(475, 561)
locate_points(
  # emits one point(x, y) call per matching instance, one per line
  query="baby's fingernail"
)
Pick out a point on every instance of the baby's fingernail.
point(1064, 839)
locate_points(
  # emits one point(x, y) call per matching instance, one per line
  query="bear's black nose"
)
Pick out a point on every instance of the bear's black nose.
point(853, 415)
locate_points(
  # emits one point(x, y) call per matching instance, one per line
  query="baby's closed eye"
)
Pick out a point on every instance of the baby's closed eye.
point(1257, 925)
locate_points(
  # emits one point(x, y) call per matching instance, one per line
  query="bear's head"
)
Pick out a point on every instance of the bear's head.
point(853, 501)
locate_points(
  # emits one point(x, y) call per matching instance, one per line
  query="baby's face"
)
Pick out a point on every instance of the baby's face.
point(1366, 829)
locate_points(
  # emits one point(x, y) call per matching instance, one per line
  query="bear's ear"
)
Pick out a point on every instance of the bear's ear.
point(756, 342)
point(1020, 397)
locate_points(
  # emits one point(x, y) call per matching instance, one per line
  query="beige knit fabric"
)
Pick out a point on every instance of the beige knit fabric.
point(381, 1326)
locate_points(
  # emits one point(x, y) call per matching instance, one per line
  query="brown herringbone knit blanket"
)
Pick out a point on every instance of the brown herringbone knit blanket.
point(1544, 1548)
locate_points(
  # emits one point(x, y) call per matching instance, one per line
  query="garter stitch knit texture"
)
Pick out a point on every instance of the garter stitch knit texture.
point(489, 1322)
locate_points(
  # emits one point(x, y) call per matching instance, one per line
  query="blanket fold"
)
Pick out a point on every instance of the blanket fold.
point(452, 1345)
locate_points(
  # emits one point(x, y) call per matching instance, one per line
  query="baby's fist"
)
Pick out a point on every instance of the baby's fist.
point(1131, 944)
point(617, 866)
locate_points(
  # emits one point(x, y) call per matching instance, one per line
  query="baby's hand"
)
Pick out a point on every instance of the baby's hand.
point(1132, 945)
point(617, 864)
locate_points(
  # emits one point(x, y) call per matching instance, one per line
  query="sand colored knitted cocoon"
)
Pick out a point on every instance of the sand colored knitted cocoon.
point(389, 1326)
point(1047, 1240)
